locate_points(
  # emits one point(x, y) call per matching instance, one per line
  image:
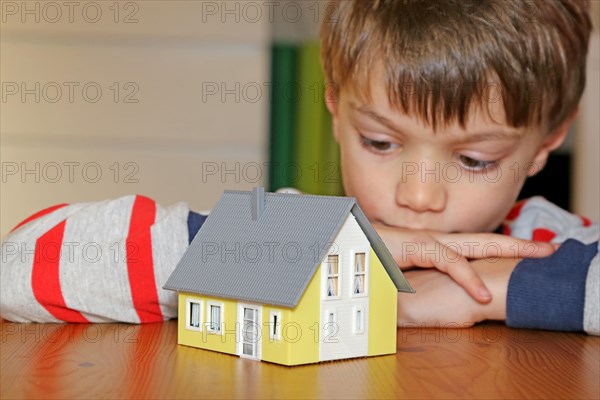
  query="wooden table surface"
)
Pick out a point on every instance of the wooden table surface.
point(133, 361)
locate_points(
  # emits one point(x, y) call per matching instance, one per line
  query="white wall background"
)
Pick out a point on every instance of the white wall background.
point(183, 109)
point(586, 146)
point(160, 119)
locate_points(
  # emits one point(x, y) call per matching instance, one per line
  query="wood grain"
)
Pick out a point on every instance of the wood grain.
point(133, 361)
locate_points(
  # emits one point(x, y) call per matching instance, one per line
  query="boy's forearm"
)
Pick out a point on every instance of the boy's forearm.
point(495, 273)
point(440, 302)
point(557, 292)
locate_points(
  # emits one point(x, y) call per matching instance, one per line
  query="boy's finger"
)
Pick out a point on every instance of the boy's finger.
point(461, 271)
point(533, 249)
point(492, 245)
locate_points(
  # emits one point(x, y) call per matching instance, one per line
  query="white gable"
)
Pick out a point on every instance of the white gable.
point(342, 341)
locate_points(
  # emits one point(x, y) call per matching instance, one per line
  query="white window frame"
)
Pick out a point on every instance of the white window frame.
point(328, 336)
point(356, 328)
point(188, 313)
point(339, 277)
point(365, 293)
point(209, 321)
point(275, 331)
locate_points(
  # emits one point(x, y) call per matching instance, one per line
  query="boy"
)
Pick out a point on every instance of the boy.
point(442, 109)
point(434, 157)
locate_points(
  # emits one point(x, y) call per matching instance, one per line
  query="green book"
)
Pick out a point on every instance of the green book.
point(332, 174)
point(309, 143)
point(282, 115)
point(303, 152)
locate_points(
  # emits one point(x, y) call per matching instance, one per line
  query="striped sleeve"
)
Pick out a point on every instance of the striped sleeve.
point(591, 311)
point(538, 219)
point(94, 262)
point(559, 292)
point(552, 293)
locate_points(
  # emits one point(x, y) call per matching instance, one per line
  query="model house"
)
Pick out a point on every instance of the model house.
point(287, 278)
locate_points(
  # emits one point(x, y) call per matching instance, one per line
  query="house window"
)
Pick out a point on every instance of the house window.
point(330, 328)
point(359, 320)
point(215, 317)
point(331, 318)
point(332, 276)
point(275, 325)
point(192, 319)
point(359, 274)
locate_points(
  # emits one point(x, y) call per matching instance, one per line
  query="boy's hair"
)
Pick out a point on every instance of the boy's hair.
point(440, 58)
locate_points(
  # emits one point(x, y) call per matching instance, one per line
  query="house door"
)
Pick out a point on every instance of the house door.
point(250, 332)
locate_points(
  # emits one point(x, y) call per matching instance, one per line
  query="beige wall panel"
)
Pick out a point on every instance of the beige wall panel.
point(34, 177)
point(245, 21)
point(586, 162)
point(134, 92)
point(153, 132)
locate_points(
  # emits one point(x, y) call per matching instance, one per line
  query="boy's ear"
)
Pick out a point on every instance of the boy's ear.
point(331, 101)
point(551, 142)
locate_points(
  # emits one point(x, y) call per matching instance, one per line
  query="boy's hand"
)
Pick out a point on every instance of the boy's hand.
point(450, 252)
point(441, 302)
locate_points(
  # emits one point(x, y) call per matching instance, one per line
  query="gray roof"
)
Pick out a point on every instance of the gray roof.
point(271, 259)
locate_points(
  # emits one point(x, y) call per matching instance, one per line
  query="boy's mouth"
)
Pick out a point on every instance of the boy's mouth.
point(412, 227)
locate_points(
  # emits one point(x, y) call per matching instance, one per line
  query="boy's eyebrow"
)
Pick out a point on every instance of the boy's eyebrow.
point(373, 115)
point(480, 137)
point(474, 137)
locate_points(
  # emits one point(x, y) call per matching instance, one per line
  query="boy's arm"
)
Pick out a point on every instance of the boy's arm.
point(553, 289)
point(450, 253)
point(95, 262)
point(440, 302)
point(559, 292)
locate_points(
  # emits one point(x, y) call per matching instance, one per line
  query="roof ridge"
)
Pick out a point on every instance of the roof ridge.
point(304, 195)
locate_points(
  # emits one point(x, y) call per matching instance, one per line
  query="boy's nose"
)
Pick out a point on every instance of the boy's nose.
point(421, 192)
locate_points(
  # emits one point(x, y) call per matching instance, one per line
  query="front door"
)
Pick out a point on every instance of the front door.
point(250, 332)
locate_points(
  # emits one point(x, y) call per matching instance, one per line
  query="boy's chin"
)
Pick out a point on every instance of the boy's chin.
point(416, 227)
point(413, 227)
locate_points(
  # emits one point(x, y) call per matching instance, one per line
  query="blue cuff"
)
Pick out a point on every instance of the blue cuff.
point(194, 222)
point(549, 293)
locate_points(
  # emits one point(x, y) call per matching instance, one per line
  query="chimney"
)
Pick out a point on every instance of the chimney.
point(258, 202)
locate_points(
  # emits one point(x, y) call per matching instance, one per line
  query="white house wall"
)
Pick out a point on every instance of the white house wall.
point(344, 343)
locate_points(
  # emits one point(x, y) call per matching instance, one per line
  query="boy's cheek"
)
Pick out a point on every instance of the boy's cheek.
point(369, 187)
point(485, 211)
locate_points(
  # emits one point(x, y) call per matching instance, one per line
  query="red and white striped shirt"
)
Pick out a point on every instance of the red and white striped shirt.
point(94, 262)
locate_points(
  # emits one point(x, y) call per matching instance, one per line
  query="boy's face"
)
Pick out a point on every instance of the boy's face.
point(404, 174)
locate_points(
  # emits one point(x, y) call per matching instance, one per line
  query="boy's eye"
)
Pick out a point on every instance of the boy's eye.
point(475, 165)
point(379, 146)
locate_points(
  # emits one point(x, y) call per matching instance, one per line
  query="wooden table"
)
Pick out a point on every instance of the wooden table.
point(133, 361)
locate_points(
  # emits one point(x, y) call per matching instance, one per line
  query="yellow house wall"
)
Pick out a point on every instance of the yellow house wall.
point(298, 344)
point(224, 343)
point(299, 327)
point(382, 310)
point(274, 350)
